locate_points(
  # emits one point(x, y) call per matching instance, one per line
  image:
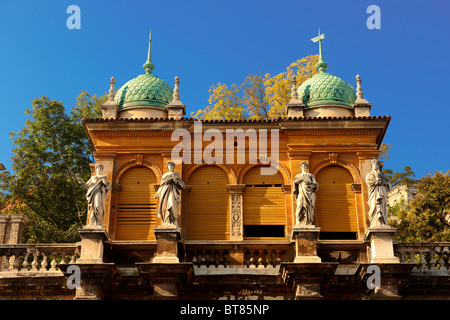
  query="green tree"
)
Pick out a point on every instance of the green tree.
point(403, 177)
point(48, 151)
point(428, 216)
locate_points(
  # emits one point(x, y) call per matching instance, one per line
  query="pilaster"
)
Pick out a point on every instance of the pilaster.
point(236, 215)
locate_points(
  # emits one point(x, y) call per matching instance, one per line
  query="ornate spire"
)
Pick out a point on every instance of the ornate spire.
point(110, 108)
point(359, 92)
point(294, 93)
point(176, 91)
point(176, 108)
point(112, 92)
point(321, 65)
point(148, 65)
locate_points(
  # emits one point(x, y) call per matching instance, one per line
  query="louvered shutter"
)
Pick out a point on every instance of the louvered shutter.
point(264, 199)
point(208, 205)
point(336, 208)
point(136, 214)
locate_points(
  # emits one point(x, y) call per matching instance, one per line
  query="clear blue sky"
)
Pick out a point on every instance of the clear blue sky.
point(404, 65)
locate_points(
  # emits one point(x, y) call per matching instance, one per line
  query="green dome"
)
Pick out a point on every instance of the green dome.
point(144, 90)
point(325, 89)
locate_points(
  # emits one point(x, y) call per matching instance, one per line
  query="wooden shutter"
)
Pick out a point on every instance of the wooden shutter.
point(264, 199)
point(136, 214)
point(335, 203)
point(208, 205)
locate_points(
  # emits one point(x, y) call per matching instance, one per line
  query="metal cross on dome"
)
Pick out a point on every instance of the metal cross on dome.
point(321, 65)
point(319, 38)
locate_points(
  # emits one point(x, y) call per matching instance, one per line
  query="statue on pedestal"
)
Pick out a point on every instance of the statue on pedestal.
point(378, 186)
point(169, 196)
point(305, 189)
point(97, 188)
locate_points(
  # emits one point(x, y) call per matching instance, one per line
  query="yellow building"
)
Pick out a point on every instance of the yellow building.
point(236, 235)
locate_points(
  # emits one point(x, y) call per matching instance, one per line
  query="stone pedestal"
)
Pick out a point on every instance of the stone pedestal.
point(305, 238)
point(92, 244)
point(176, 110)
point(390, 276)
point(167, 240)
point(11, 228)
point(94, 277)
point(307, 278)
point(381, 244)
point(168, 279)
point(295, 108)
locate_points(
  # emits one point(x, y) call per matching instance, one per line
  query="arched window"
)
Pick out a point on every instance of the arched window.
point(264, 205)
point(335, 204)
point(208, 205)
point(136, 214)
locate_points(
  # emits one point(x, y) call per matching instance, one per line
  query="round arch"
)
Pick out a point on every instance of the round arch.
point(340, 163)
point(282, 169)
point(131, 164)
point(230, 173)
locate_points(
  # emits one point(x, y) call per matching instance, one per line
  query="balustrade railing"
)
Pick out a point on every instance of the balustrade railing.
point(209, 257)
point(260, 258)
point(28, 259)
point(430, 257)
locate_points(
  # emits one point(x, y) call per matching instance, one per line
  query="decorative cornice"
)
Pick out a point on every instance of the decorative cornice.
point(369, 154)
point(300, 155)
point(333, 132)
point(131, 134)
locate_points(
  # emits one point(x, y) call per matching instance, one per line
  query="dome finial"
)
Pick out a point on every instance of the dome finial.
point(321, 65)
point(176, 91)
point(359, 92)
point(294, 94)
point(112, 92)
point(148, 65)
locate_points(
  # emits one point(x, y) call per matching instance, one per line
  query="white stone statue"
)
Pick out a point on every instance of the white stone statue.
point(378, 185)
point(305, 189)
point(97, 189)
point(169, 196)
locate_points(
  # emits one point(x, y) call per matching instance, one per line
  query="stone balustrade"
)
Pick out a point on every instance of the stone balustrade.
point(208, 258)
point(430, 257)
point(36, 259)
point(248, 255)
point(260, 258)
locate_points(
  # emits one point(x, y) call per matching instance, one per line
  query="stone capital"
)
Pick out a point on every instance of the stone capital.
point(235, 188)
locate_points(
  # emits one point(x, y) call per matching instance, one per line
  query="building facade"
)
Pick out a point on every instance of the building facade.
point(236, 234)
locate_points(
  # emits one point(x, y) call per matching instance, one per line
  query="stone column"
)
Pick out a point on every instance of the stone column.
point(4, 219)
point(306, 244)
point(11, 228)
point(237, 211)
point(17, 224)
